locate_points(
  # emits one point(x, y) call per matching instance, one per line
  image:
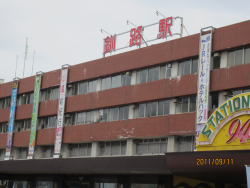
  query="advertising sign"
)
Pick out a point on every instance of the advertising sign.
point(202, 104)
point(60, 113)
point(228, 127)
point(11, 120)
point(34, 116)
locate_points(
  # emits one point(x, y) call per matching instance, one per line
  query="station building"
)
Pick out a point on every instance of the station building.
point(129, 119)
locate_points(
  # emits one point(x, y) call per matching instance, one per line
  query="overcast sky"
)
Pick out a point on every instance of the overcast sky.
point(68, 32)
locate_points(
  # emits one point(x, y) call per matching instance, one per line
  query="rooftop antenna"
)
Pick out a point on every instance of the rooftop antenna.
point(25, 57)
point(33, 63)
point(105, 31)
point(16, 64)
point(157, 12)
point(136, 26)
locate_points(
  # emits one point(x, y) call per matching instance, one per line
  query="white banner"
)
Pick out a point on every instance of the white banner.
point(60, 113)
point(202, 106)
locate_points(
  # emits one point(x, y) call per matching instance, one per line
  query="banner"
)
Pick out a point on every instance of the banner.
point(202, 105)
point(60, 113)
point(38, 79)
point(248, 176)
point(11, 120)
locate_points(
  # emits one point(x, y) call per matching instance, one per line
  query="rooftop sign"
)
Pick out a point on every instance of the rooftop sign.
point(136, 35)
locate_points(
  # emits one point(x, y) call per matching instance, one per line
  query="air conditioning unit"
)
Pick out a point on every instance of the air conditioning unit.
point(228, 93)
point(70, 85)
point(128, 73)
point(135, 106)
point(169, 65)
point(95, 119)
point(176, 100)
point(217, 54)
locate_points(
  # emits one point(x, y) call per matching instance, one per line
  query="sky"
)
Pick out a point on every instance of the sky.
point(68, 32)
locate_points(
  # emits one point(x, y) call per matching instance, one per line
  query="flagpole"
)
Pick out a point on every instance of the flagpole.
point(16, 64)
point(33, 62)
point(25, 56)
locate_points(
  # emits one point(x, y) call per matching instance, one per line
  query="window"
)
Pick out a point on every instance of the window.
point(186, 143)
point(166, 71)
point(123, 112)
point(22, 153)
point(113, 148)
point(80, 150)
point(186, 104)
point(215, 64)
point(84, 87)
point(148, 74)
point(47, 122)
point(47, 151)
point(156, 108)
point(237, 92)
point(23, 125)
point(84, 117)
point(239, 56)
point(213, 101)
point(116, 81)
point(2, 154)
point(50, 94)
point(113, 114)
point(151, 146)
point(3, 128)
point(5, 102)
point(188, 67)
point(26, 98)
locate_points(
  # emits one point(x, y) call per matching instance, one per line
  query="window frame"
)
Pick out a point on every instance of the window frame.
point(191, 66)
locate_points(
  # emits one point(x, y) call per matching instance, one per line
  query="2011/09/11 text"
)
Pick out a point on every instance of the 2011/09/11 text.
point(215, 162)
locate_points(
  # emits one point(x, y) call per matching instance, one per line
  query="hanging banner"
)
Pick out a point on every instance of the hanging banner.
point(202, 105)
point(38, 79)
point(11, 120)
point(60, 113)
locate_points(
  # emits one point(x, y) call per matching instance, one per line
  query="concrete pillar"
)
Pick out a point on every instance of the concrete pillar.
point(95, 150)
point(131, 147)
point(223, 59)
point(174, 69)
point(99, 84)
point(222, 98)
point(172, 144)
point(172, 107)
point(133, 78)
point(131, 112)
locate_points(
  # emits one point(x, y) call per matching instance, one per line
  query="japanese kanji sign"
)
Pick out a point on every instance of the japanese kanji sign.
point(109, 44)
point(135, 36)
point(165, 27)
point(202, 105)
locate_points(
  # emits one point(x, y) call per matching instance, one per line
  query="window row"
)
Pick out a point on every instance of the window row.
point(116, 81)
point(188, 67)
point(239, 56)
point(186, 104)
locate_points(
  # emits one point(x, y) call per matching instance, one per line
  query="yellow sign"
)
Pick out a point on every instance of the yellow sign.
point(228, 127)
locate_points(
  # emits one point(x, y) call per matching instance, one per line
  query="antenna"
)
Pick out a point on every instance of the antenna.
point(131, 23)
point(157, 12)
point(33, 63)
point(25, 56)
point(16, 64)
point(105, 31)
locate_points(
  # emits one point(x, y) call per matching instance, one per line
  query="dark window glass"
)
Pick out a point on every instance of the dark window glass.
point(107, 84)
point(83, 87)
point(142, 110)
point(195, 66)
point(156, 73)
point(151, 74)
point(103, 83)
point(192, 104)
point(126, 80)
point(144, 75)
point(166, 107)
point(168, 72)
point(216, 62)
point(121, 112)
point(113, 82)
point(247, 55)
point(148, 109)
point(239, 57)
point(184, 104)
point(154, 109)
point(160, 109)
point(126, 112)
point(105, 115)
point(184, 68)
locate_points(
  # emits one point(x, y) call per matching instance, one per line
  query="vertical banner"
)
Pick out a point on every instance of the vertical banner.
point(60, 113)
point(38, 79)
point(248, 175)
point(202, 105)
point(11, 120)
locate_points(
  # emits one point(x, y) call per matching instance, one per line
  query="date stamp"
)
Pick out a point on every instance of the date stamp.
point(218, 162)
